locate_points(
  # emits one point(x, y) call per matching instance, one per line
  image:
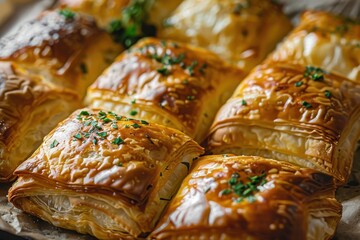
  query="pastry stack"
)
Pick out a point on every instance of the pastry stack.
point(159, 145)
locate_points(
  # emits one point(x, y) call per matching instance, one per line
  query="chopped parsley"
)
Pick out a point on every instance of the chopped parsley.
point(114, 125)
point(95, 140)
point(316, 74)
point(67, 13)
point(131, 27)
point(54, 144)
point(83, 68)
point(133, 101)
point(190, 68)
point(243, 102)
point(306, 104)
point(106, 120)
point(78, 136)
point(102, 134)
point(118, 141)
point(327, 94)
point(190, 98)
point(298, 84)
point(164, 71)
point(133, 112)
point(135, 125)
point(144, 122)
point(244, 190)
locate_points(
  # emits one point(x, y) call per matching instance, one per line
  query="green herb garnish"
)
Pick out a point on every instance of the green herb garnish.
point(78, 136)
point(135, 125)
point(190, 98)
point(144, 122)
point(164, 71)
point(316, 74)
point(243, 102)
point(133, 112)
point(118, 141)
point(327, 94)
point(54, 144)
point(102, 134)
point(298, 84)
point(67, 13)
point(83, 68)
point(306, 104)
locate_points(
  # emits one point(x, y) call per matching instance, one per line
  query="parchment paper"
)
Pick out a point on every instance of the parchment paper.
point(18, 223)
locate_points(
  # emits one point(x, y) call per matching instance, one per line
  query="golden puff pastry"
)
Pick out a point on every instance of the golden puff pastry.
point(104, 11)
point(107, 11)
point(103, 174)
point(68, 49)
point(251, 198)
point(292, 113)
point(29, 109)
point(323, 40)
point(242, 32)
point(172, 84)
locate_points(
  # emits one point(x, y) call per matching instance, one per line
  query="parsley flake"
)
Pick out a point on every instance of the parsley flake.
point(118, 141)
point(102, 134)
point(78, 136)
point(306, 104)
point(135, 125)
point(133, 112)
point(54, 144)
point(327, 94)
point(67, 13)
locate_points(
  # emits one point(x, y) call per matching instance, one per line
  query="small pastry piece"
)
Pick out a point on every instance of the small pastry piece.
point(69, 50)
point(103, 174)
point(242, 32)
point(172, 84)
point(292, 113)
point(29, 109)
point(244, 197)
point(326, 41)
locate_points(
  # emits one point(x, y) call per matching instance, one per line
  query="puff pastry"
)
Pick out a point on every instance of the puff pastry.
point(323, 40)
point(168, 83)
point(106, 11)
point(68, 49)
point(242, 32)
point(29, 109)
point(244, 197)
point(292, 113)
point(103, 174)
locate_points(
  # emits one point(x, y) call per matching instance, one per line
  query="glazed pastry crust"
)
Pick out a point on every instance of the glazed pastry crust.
point(241, 32)
point(323, 40)
point(186, 96)
point(29, 109)
point(291, 203)
point(105, 175)
point(104, 11)
point(70, 51)
point(278, 112)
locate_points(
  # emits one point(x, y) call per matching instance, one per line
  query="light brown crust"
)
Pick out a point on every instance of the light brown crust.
point(319, 118)
point(56, 46)
point(323, 40)
point(241, 32)
point(21, 96)
point(279, 209)
point(196, 83)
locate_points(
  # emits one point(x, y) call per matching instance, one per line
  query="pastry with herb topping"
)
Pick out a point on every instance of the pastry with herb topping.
point(104, 174)
point(323, 40)
point(244, 197)
point(242, 32)
point(302, 115)
point(64, 47)
point(168, 83)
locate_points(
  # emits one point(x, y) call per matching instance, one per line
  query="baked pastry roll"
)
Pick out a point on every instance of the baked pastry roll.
point(68, 49)
point(323, 40)
point(302, 115)
point(244, 197)
point(242, 32)
point(29, 109)
point(103, 174)
point(172, 84)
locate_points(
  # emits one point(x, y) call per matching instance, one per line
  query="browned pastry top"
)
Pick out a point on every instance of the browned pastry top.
point(59, 36)
point(241, 196)
point(326, 24)
point(294, 95)
point(19, 94)
point(172, 76)
point(96, 151)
